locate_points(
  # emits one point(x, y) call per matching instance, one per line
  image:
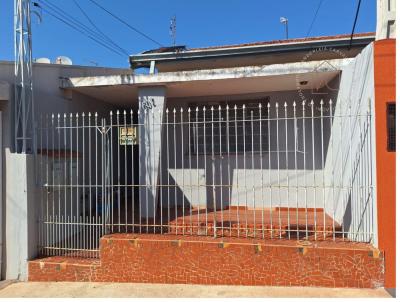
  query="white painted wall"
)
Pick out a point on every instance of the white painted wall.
point(386, 19)
point(21, 229)
point(253, 186)
point(356, 98)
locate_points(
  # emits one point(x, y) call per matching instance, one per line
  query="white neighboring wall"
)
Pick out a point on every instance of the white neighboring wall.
point(354, 204)
point(386, 19)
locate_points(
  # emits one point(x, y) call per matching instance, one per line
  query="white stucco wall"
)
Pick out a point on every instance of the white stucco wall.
point(355, 101)
point(243, 181)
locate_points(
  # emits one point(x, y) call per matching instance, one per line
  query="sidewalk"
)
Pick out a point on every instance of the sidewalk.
point(134, 290)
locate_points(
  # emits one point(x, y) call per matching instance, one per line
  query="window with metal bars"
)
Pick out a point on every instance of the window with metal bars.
point(391, 126)
point(228, 130)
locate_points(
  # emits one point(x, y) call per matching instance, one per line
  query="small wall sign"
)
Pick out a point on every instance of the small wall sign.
point(127, 136)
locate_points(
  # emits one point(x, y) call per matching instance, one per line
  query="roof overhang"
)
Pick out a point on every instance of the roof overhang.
point(123, 89)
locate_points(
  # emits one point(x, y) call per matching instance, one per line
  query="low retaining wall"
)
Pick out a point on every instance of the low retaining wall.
point(201, 260)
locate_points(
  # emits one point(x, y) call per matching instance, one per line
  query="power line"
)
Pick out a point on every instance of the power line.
point(63, 16)
point(354, 23)
point(125, 23)
point(77, 29)
point(98, 29)
point(314, 18)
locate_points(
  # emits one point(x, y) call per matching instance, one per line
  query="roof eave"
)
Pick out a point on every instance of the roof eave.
point(144, 60)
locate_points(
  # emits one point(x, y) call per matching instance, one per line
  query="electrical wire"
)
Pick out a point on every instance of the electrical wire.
point(77, 29)
point(314, 18)
point(98, 29)
point(73, 21)
point(354, 23)
point(60, 14)
point(125, 23)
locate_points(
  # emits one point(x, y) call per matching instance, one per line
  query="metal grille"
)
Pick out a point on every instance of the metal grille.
point(391, 127)
point(299, 170)
point(228, 132)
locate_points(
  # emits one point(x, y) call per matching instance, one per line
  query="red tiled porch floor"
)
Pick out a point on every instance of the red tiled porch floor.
point(242, 222)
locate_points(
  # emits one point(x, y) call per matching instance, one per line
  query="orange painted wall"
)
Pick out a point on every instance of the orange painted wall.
point(385, 92)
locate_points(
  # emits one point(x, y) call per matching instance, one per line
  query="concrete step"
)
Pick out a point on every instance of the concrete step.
point(169, 259)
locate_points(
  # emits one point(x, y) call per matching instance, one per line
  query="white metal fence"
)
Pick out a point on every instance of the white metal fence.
point(298, 170)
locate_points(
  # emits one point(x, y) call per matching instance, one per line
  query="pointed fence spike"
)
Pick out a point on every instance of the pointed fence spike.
point(294, 104)
point(167, 110)
point(276, 104)
point(197, 108)
point(90, 114)
point(189, 109)
point(131, 111)
point(268, 105)
point(227, 106)
point(181, 109)
point(235, 107)
point(285, 105)
point(322, 101)
point(312, 102)
point(259, 105)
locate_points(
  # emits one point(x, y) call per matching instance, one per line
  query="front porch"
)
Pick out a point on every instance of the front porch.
point(223, 179)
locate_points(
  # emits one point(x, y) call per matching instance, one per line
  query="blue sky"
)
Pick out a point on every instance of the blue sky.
point(199, 23)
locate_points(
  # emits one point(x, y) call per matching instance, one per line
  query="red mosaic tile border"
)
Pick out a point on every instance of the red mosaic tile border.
point(193, 260)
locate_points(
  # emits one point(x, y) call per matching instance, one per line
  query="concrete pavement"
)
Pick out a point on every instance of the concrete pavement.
point(134, 290)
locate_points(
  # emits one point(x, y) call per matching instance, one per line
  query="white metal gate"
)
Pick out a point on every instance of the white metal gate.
point(299, 170)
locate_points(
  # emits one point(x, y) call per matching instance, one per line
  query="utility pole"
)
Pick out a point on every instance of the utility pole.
point(23, 91)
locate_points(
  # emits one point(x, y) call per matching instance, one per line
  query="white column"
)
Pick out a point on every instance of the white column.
point(152, 107)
